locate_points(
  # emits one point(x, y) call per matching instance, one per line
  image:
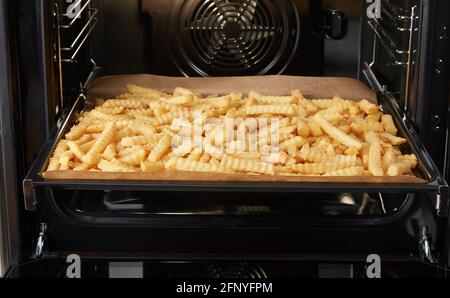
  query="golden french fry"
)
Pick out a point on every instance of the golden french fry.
point(54, 161)
point(389, 125)
point(303, 128)
point(113, 166)
point(367, 107)
point(337, 134)
point(152, 166)
point(77, 132)
point(161, 149)
point(375, 165)
point(389, 158)
point(110, 152)
point(392, 139)
point(294, 142)
point(315, 129)
point(76, 150)
point(187, 165)
point(93, 155)
point(375, 117)
point(262, 99)
point(247, 165)
point(279, 109)
point(367, 126)
point(320, 168)
point(406, 164)
point(134, 158)
point(353, 171)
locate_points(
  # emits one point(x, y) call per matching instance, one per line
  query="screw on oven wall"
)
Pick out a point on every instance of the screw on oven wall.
point(440, 66)
point(436, 123)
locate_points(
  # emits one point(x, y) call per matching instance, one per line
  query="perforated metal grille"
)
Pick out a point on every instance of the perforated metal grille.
point(233, 37)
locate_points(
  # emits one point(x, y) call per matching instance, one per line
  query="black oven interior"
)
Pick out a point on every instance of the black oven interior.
point(80, 40)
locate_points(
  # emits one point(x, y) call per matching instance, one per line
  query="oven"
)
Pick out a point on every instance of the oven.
point(52, 50)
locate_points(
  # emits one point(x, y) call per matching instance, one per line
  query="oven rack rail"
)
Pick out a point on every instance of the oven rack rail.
point(435, 183)
point(66, 20)
point(395, 18)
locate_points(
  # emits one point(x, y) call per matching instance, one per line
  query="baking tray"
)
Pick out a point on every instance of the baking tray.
point(427, 179)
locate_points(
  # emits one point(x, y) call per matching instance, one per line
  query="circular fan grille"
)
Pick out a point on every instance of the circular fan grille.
point(234, 37)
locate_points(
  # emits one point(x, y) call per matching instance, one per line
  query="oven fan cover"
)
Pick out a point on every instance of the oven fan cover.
point(233, 37)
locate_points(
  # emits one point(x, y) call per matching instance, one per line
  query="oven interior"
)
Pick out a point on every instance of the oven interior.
point(92, 38)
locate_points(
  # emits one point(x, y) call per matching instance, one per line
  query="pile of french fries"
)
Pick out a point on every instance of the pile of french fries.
point(134, 132)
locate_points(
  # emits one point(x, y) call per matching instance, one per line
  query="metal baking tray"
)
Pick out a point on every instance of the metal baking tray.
point(432, 180)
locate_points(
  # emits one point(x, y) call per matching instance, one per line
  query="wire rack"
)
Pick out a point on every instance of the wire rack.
point(394, 21)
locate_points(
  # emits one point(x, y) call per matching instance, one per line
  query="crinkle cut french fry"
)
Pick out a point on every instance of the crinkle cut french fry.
point(264, 99)
point(353, 171)
point(181, 99)
point(188, 165)
point(152, 166)
point(113, 166)
point(246, 165)
point(375, 165)
point(93, 155)
point(367, 107)
point(367, 126)
point(179, 91)
point(389, 125)
point(313, 155)
point(54, 161)
point(110, 152)
point(280, 109)
point(338, 104)
point(315, 129)
point(77, 132)
point(138, 140)
point(293, 142)
point(320, 168)
point(303, 128)
point(406, 164)
point(389, 158)
point(161, 149)
point(76, 150)
point(392, 139)
point(134, 158)
point(336, 133)
point(64, 160)
point(376, 117)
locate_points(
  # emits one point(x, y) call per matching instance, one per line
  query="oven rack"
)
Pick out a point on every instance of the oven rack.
point(66, 20)
point(435, 183)
point(402, 23)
